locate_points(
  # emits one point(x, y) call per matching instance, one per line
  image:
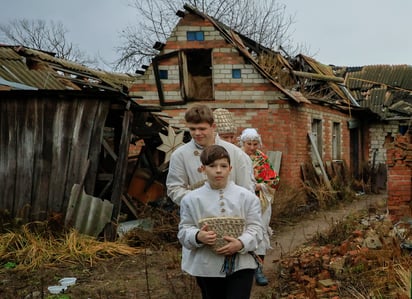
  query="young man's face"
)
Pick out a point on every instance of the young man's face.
point(202, 133)
point(229, 137)
point(250, 146)
point(218, 173)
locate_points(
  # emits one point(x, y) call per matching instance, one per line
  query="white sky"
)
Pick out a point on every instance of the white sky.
point(354, 32)
point(350, 32)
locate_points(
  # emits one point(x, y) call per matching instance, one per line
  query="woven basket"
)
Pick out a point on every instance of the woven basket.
point(224, 226)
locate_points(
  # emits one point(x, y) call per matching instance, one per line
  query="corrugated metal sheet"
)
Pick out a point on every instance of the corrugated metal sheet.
point(13, 68)
point(382, 88)
point(397, 76)
point(86, 213)
point(44, 71)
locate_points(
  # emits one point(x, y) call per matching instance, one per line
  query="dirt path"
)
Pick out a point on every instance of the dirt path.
point(292, 236)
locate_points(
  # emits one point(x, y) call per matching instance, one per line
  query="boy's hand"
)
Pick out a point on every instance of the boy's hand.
point(205, 236)
point(233, 246)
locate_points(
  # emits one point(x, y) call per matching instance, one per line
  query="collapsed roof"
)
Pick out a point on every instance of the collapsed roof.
point(23, 68)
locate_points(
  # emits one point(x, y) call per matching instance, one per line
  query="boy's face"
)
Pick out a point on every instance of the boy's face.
point(217, 173)
point(202, 133)
point(229, 137)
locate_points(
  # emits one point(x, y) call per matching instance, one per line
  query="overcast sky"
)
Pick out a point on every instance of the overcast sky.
point(350, 32)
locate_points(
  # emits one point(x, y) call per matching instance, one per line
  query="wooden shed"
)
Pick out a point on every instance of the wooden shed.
point(62, 125)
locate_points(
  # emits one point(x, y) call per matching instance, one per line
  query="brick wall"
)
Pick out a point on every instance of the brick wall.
point(255, 101)
point(250, 87)
point(284, 128)
point(399, 161)
point(378, 133)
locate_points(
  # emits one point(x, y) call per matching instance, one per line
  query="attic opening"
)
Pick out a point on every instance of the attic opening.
point(197, 74)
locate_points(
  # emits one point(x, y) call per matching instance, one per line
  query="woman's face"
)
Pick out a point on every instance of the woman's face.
point(250, 146)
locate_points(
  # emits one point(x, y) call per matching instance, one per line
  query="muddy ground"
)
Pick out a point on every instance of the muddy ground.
point(155, 273)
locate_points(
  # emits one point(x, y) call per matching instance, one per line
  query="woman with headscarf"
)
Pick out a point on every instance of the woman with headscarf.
point(267, 181)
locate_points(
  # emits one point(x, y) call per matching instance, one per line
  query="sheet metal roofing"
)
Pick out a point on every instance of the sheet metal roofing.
point(385, 89)
point(25, 68)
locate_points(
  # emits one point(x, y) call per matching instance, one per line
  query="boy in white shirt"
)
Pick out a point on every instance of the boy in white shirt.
point(228, 271)
point(184, 169)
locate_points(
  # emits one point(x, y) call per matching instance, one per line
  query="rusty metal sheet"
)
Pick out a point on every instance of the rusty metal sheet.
point(44, 71)
point(86, 213)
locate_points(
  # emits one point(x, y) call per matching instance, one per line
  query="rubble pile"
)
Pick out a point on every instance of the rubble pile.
point(362, 264)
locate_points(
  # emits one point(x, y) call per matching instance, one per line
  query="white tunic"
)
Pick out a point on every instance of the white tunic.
point(184, 169)
point(235, 201)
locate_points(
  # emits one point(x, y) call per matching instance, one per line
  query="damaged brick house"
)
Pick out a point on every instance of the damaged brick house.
point(287, 100)
point(387, 91)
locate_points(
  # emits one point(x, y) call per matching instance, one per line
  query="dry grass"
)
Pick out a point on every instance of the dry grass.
point(403, 274)
point(286, 204)
point(36, 246)
point(390, 279)
point(33, 248)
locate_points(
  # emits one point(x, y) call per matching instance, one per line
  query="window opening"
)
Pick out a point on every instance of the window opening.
point(163, 74)
point(197, 75)
point(236, 73)
point(195, 35)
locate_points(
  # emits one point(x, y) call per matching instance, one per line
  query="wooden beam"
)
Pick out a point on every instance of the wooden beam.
point(318, 77)
point(121, 165)
point(127, 200)
point(317, 155)
point(109, 150)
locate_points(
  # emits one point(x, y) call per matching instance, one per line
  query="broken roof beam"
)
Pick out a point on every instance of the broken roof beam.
point(318, 77)
point(159, 46)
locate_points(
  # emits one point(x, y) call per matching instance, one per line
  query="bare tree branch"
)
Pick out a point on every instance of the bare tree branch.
point(264, 21)
point(50, 37)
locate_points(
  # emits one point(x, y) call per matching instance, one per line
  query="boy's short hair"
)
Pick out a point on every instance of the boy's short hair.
point(212, 153)
point(199, 113)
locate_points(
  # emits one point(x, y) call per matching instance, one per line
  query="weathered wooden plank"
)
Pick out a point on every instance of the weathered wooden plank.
point(62, 129)
point(121, 166)
point(42, 157)
point(11, 144)
point(109, 150)
point(45, 143)
point(320, 161)
point(24, 158)
point(5, 200)
point(275, 158)
point(3, 152)
point(81, 135)
point(96, 144)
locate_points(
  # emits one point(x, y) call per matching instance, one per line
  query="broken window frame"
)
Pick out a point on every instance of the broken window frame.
point(156, 60)
point(183, 77)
